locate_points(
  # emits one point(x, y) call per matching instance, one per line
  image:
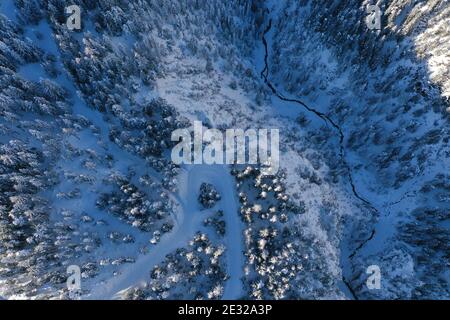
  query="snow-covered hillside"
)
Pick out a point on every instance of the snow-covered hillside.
point(86, 177)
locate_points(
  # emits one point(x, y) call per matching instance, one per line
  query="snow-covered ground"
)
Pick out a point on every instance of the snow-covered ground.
point(364, 155)
point(188, 222)
point(8, 9)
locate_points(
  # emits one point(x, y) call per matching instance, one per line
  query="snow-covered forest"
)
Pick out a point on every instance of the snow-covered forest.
point(86, 177)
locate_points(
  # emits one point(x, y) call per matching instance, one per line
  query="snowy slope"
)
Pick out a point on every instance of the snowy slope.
point(85, 171)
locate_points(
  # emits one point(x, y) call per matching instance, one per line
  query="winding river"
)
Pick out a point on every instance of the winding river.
point(328, 120)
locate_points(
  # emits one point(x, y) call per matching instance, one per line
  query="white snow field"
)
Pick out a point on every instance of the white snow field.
point(188, 219)
point(86, 176)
